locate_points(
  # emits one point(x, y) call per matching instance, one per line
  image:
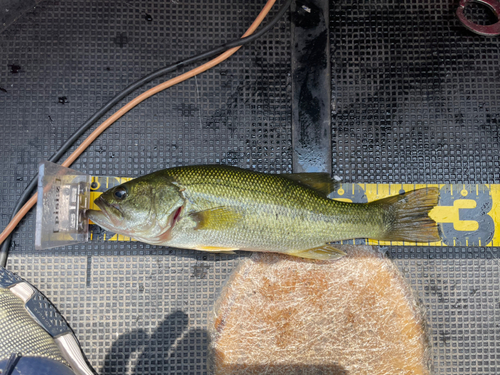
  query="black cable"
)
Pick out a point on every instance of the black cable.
point(4, 252)
point(12, 363)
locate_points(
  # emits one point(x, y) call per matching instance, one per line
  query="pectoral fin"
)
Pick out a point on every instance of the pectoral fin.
point(325, 252)
point(216, 218)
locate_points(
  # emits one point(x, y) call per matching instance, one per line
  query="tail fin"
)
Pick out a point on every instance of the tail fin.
point(407, 216)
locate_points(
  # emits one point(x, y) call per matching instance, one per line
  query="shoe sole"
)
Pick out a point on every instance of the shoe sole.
point(46, 315)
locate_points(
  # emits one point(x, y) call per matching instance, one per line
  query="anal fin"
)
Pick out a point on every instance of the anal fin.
point(324, 252)
point(216, 249)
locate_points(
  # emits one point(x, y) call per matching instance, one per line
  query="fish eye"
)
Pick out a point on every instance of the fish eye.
point(120, 192)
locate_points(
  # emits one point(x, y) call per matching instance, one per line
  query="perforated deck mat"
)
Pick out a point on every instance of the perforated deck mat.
point(416, 98)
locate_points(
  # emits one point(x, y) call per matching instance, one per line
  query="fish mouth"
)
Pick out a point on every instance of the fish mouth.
point(105, 206)
point(109, 217)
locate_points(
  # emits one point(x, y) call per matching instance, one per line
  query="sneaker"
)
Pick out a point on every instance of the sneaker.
point(34, 337)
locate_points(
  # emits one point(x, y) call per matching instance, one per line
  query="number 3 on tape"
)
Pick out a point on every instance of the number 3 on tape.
point(469, 222)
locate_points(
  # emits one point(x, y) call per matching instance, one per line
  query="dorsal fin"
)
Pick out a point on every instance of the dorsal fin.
point(321, 182)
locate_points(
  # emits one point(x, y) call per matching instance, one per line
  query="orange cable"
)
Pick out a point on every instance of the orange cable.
point(134, 102)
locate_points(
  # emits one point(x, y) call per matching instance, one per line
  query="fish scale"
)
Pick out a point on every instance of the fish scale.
point(269, 204)
point(272, 205)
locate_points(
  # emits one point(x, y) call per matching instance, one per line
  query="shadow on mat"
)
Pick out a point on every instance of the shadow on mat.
point(159, 354)
point(174, 349)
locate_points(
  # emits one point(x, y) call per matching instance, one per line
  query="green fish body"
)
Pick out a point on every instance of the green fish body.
point(220, 208)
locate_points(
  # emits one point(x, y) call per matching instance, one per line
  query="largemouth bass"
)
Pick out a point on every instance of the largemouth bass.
point(221, 208)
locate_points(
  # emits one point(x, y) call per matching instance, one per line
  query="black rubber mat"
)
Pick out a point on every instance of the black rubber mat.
point(415, 98)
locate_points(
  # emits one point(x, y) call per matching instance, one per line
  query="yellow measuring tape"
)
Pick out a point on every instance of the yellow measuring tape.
point(468, 214)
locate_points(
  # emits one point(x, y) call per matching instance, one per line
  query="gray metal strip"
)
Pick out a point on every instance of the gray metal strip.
point(311, 121)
